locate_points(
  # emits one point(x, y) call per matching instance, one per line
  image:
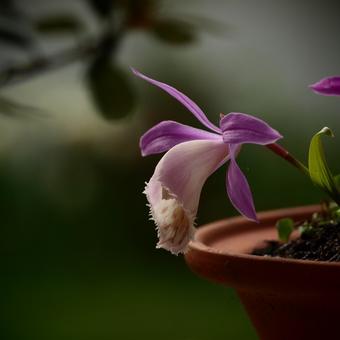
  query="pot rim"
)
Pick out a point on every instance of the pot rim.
point(302, 295)
point(265, 217)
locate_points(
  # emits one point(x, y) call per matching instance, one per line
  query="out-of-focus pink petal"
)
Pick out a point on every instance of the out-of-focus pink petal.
point(240, 128)
point(167, 134)
point(329, 86)
point(238, 189)
point(183, 99)
point(175, 187)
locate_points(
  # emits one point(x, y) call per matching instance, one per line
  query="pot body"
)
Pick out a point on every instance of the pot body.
point(285, 299)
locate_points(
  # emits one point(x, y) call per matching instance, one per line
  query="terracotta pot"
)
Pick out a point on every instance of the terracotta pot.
point(285, 299)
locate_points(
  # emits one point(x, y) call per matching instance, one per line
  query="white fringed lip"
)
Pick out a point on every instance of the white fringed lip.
point(174, 190)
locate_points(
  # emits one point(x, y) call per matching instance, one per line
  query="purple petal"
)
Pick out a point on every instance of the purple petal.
point(240, 128)
point(167, 134)
point(182, 98)
point(329, 86)
point(239, 191)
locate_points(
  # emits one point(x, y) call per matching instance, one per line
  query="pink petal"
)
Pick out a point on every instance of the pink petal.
point(167, 134)
point(240, 128)
point(329, 86)
point(183, 99)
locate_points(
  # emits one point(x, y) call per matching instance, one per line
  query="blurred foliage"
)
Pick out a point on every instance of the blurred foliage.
point(14, 37)
point(13, 26)
point(59, 24)
point(13, 109)
point(110, 89)
point(140, 14)
point(174, 31)
point(102, 7)
point(109, 86)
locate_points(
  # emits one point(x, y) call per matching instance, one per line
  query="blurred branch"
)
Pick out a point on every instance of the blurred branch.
point(12, 109)
point(108, 85)
point(119, 16)
point(105, 45)
point(100, 47)
point(57, 23)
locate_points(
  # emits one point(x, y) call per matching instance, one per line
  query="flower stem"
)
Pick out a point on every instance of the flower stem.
point(283, 153)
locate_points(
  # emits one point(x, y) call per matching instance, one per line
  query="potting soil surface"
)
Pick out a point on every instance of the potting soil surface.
point(320, 243)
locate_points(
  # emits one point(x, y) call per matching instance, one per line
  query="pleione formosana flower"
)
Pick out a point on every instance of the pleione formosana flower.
point(329, 86)
point(192, 155)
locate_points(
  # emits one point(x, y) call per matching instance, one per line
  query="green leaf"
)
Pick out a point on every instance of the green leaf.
point(336, 213)
point(306, 229)
point(336, 179)
point(110, 89)
point(58, 24)
point(285, 227)
point(317, 164)
point(174, 31)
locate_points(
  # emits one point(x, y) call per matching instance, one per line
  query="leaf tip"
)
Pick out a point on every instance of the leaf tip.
point(285, 227)
point(327, 131)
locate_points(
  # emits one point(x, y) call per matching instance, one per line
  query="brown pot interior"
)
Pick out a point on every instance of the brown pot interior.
point(285, 299)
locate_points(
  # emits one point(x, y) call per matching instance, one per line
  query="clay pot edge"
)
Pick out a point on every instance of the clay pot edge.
point(264, 217)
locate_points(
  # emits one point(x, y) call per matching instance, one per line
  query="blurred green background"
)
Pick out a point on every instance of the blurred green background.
point(78, 257)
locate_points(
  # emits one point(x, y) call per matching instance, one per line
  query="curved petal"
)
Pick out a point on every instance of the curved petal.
point(184, 169)
point(240, 128)
point(238, 189)
point(167, 134)
point(329, 86)
point(183, 99)
point(174, 189)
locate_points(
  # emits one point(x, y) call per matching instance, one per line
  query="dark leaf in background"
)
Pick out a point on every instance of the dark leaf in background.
point(14, 29)
point(337, 181)
point(6, 5)
point(103, 8)
point(14, 37)
point(140, 9)
point(140, 14)
point(110, 89)
point(10, 108)
point(59, 24)
point(8, 8)
point(174, 31)
point(139, 6)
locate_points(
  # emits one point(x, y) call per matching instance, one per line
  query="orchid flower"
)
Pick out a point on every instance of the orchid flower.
point(192, 155)
point(329, 86)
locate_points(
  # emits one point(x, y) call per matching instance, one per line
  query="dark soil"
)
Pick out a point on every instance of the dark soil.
point(318, 243)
